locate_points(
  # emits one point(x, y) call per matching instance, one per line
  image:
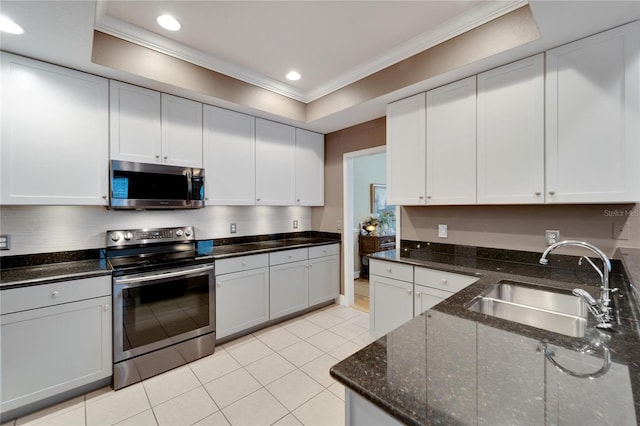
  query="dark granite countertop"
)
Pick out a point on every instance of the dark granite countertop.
point(35, 269)
point(450, 365)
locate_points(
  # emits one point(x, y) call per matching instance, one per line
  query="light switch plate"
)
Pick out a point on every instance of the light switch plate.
point(442, 231)
point(233, 228)
point(295, 224)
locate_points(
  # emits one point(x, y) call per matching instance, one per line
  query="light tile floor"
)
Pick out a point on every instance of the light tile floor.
point(276, 376)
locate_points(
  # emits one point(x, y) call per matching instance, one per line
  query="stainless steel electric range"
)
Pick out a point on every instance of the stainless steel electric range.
point(163, 302)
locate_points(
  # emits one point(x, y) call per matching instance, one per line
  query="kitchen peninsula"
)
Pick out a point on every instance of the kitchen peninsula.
point(450, 365)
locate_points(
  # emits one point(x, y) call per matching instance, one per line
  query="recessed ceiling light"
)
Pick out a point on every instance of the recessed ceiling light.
point(293, 75)
point(8, 26)
point(168, 22)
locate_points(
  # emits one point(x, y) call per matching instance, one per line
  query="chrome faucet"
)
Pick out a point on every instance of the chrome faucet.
point(601, 309)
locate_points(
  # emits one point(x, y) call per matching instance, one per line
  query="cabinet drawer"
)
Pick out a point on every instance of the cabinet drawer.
point(393, 270)
point(327, 250)
point(241, 263)
point(287, 256)
point(442, 280)
point(38, 296)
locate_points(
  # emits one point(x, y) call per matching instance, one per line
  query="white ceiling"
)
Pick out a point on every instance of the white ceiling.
point(332, 43)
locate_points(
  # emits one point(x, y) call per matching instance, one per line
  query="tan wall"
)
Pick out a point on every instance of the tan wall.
point(366, 135)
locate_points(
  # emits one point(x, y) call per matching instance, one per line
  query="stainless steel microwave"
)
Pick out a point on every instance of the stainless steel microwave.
point(155, 186)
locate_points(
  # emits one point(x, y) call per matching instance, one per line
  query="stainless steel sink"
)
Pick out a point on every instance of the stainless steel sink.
point(550, 310)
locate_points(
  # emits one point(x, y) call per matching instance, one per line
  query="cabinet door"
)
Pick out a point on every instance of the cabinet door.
point(309, 168)
point(593, 127)
point(511, 133)
point(289, 288)
point(522, 395)
point(55, 134)
point(135, 123)
point(242, 301)
point(275, 163)
point(324, 279)
point(181, 132)
point(390, 304)
point(51, 350)
point(229, 157)
point(451, 143)
point(426, 297)
point(406, 141)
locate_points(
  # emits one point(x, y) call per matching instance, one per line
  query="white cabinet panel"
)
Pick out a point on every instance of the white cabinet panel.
point(55, 349)
point(309, 168)
point(406, 158)
point(592, 118)
point(242, 301)
point(135, 115)
point(181, 131)
point(451, 143)
point(426, 298)
point(289, 288)
point(275, 163)
point(229, 157)
point(391, 304)
point(324, 279)
point(55, 134)
point(511, 133)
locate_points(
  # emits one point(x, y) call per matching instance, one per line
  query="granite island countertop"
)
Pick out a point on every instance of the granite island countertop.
point(450, 365)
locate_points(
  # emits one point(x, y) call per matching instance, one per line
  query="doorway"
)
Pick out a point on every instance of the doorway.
point(364, 172)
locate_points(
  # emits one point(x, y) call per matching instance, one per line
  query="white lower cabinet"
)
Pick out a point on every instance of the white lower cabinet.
point(359, 411)
point(399, 292)
point(54, 342)
point(242, 293)
point(289, 288)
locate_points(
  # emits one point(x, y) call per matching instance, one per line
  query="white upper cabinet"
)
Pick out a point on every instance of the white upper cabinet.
point(148, 127)
point(309, 168)
point(451, 143)
point(135, 114)
point(229, 157)
point(181, 131)
point(511, 133)
point(406, 159)
point(592, 118)
point(275, 163)
point(55, 134)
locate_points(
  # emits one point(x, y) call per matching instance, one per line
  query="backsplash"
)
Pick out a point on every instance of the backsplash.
point(42, 229)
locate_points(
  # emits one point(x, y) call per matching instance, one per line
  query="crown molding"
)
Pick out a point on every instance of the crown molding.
point(478, 15)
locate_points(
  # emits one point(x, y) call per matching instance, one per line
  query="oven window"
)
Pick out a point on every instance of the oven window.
point(159, 311)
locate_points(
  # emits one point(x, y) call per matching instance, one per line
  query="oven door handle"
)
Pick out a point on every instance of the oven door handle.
point(181, 273)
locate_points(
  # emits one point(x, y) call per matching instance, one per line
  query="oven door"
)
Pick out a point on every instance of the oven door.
point(155, 310)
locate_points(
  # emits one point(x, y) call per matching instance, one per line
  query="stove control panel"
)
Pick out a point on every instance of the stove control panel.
point(120, 238)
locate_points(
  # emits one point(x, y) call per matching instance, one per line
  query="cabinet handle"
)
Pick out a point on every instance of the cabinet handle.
point(55, 294)
point(409, 292)
point(418, 293)
point(537, 192)
point(290, 256)
point(106, 307)
point(428, 197)
point(165, 157)
point(420, 197)
point(219, 284)
point(157, 157)
point(388, 269)
point(104, 197)
point(552, 192)
point(444, 281)
point(311, 265)
point(258, 199)
point(298, 200)
point(244, 263)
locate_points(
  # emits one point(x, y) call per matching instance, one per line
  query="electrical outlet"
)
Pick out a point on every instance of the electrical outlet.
point(552, 237)
point(442, 231)
point(233, 228)
point(5, 242)
point(339, 225)
point(295, 224)
point(621, 231)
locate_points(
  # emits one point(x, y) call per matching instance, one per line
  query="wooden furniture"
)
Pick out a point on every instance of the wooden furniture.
point(368, 244)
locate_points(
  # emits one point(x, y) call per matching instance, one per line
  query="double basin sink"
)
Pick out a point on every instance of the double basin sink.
point(552, 309)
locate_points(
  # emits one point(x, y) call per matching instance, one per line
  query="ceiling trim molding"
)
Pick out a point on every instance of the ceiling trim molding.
point(478, 15)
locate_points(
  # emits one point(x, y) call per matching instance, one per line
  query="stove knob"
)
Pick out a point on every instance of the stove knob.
point(178, 232)
point(128, 236)
point(115, 236)
point(187, 232)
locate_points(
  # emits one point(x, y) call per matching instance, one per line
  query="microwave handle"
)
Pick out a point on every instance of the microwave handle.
point(189, 185)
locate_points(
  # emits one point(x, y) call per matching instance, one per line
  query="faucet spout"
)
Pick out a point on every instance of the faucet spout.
point(605, 290)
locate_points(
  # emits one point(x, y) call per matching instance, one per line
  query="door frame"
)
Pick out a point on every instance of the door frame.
point(348, 239)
